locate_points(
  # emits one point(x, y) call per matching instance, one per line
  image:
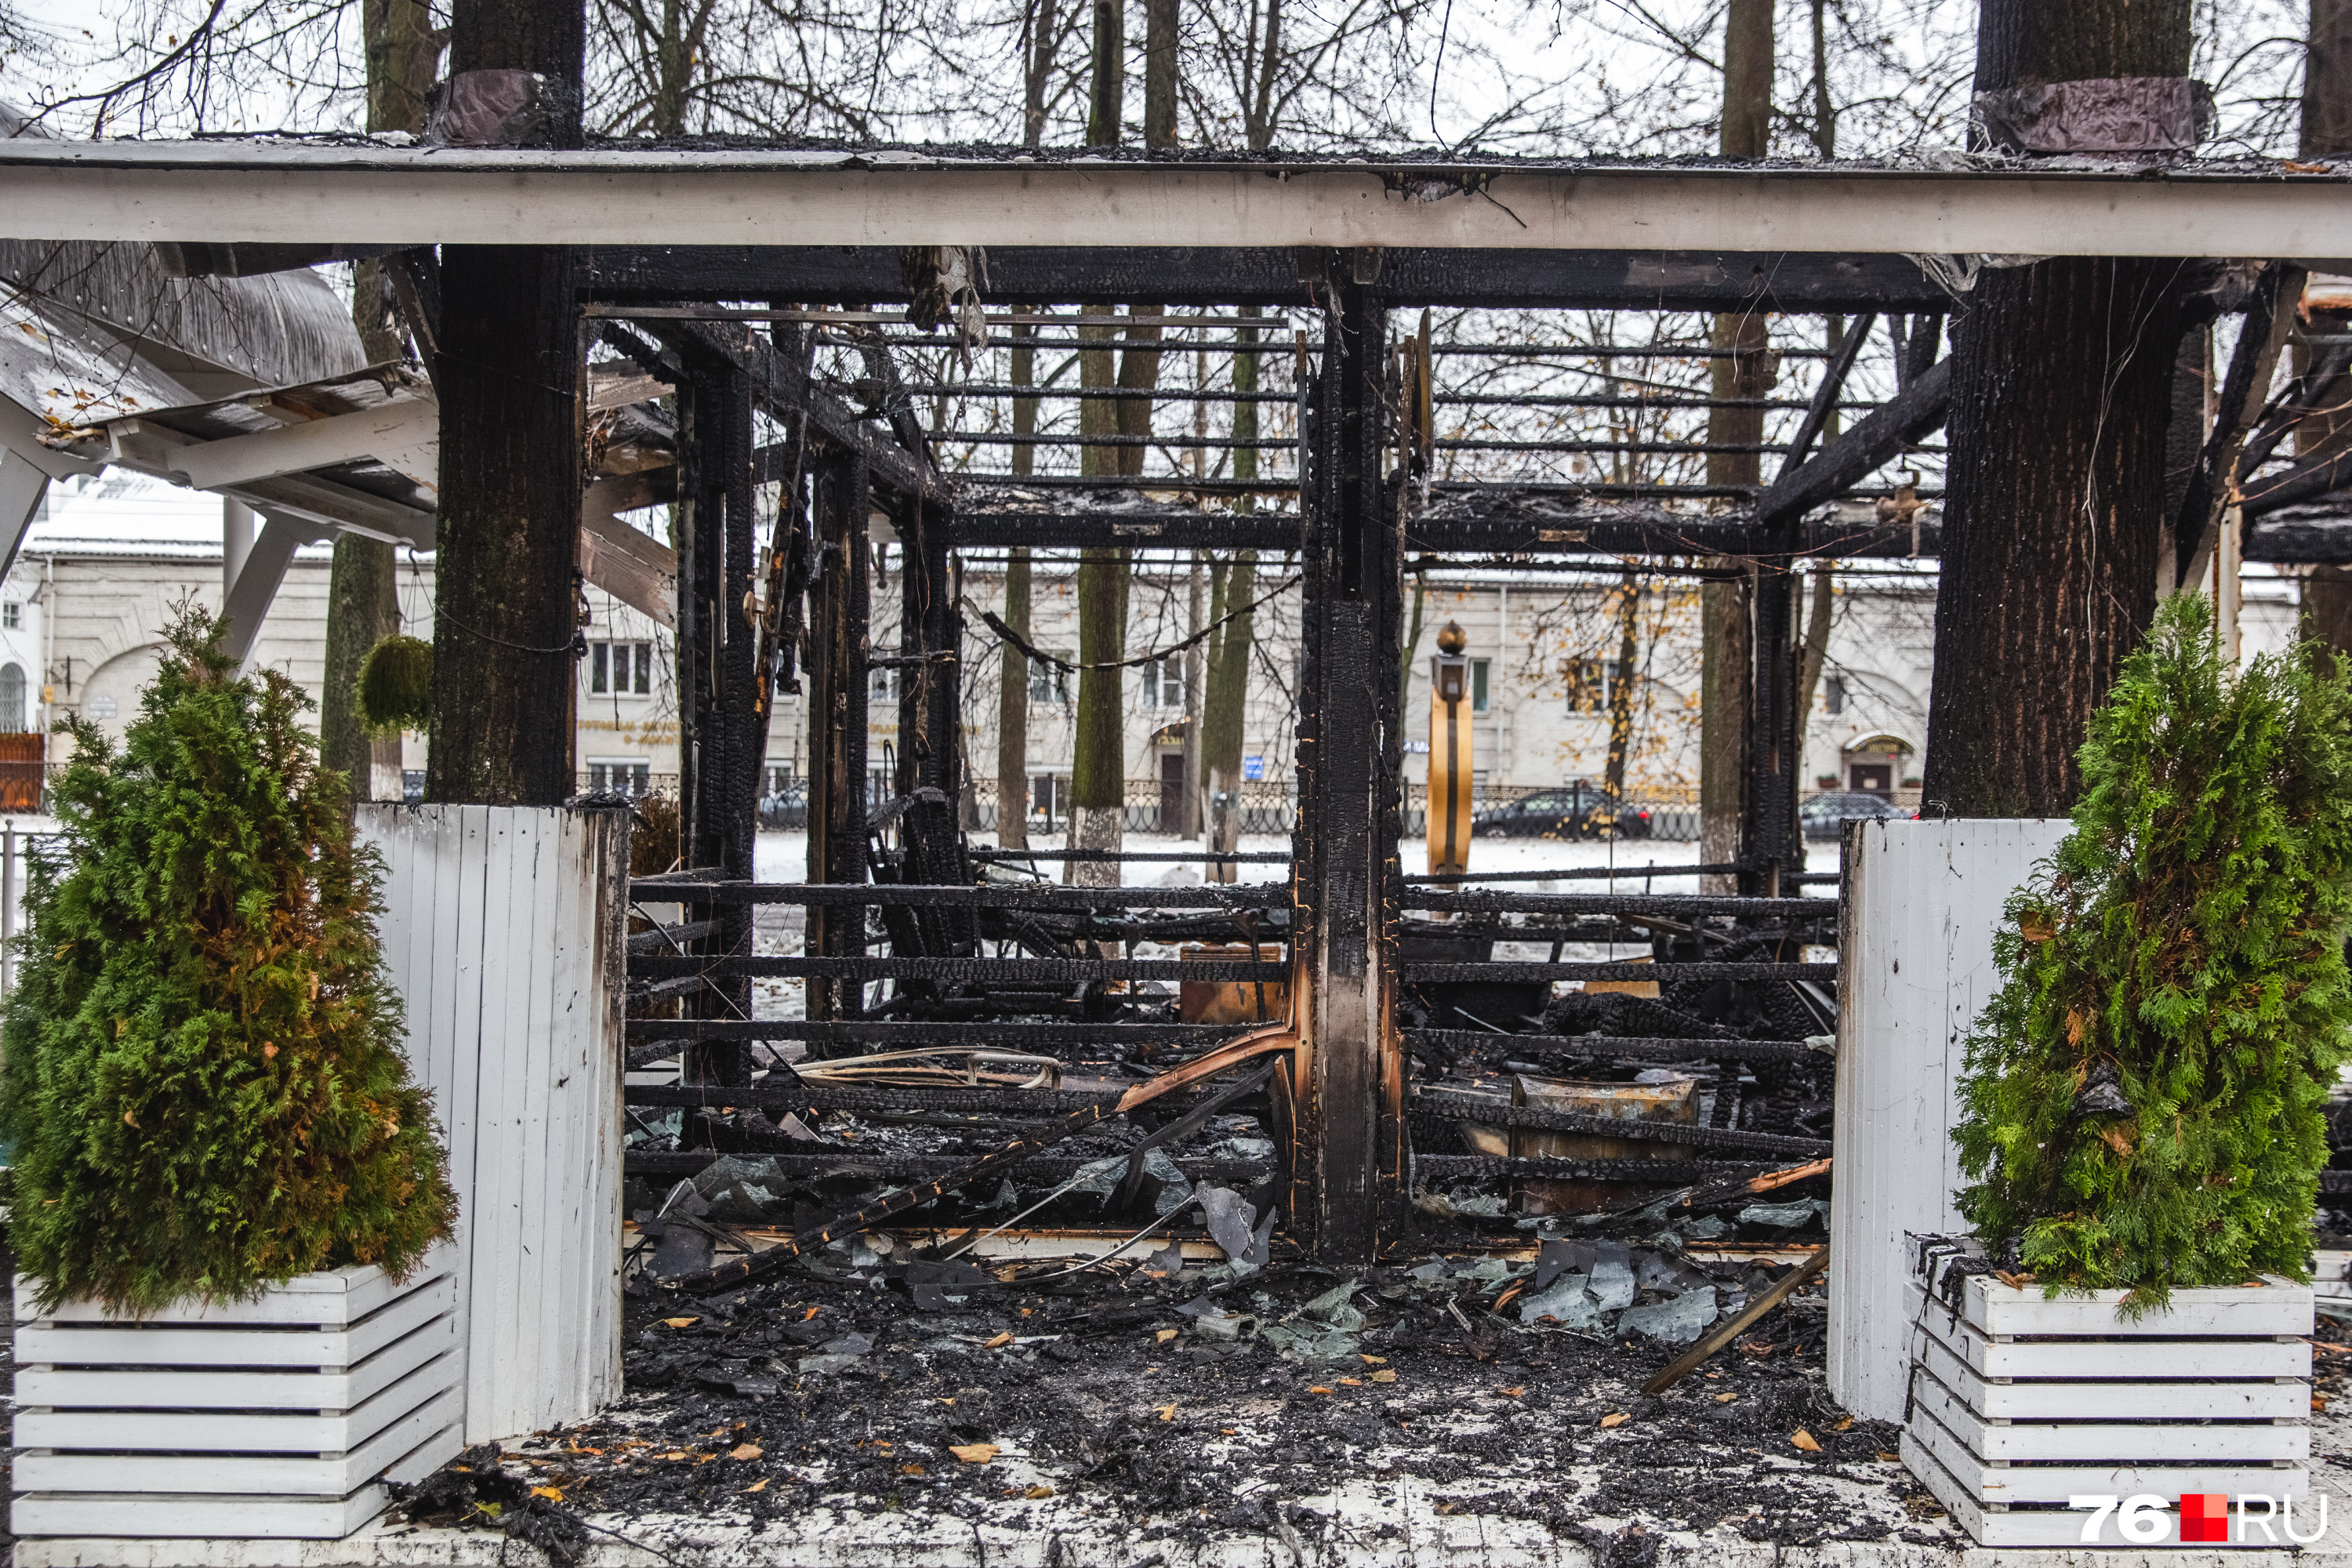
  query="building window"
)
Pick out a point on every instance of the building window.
point(883, 685)
point(1163, 682)
point(1833, 695)
point(1585, 692)
point(1049, 682)
point(1477, 686)
point(621, 668)
point(12, 700)
point(12, 615)
point(631, 779)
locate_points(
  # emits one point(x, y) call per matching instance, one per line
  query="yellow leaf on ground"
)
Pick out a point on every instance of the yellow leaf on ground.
point(1513, 1393)
point(744, 1451)
point(999, 1341)
point(1618, 1418)
point(1164, 1336)
point(1804, 1439)
point(809, 1314)
point(1887, 1458)
point(1384, 1375)
point(1844, 1424)
point(1725, 1398)
point(759, 1486)
point(1371, 1359)
point(679, 1322)
point(1352, 1382)
point(673, 1454)
point(1316, 1388)
point(1038, 1493)
point(973, 1452)
point(553, 1494)
point(913, 1470)
point(1166, 1412)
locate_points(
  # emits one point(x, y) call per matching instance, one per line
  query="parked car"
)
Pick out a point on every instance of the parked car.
point(1579, 809)
point(1826, 816)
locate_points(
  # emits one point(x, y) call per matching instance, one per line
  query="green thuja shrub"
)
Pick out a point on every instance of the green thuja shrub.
point(2142, 1099)
point(204, 1080)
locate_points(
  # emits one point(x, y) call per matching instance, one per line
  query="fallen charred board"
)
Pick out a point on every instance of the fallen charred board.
point(993, 896)
point(980, 971)
point(1652, 1172)
point(847, 1162)
point(817, 1093)
point(1483, 900)
point(1439, 1110)
point(684, 1031)
point(1649, 1047)
point(1665, 972)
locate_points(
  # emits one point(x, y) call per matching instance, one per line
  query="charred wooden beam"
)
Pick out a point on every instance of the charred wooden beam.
point(1348, 1196)
point(1877, 438)
point(2268, 318)
point(1268, 274)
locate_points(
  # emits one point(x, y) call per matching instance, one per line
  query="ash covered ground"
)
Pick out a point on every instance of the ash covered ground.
point(1189, 1406)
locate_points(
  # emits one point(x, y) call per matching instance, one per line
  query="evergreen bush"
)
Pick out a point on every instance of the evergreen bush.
point(204, 1080)
point(2143, 1097)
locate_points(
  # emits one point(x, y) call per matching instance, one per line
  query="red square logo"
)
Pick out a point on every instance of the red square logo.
point(2204, 1516)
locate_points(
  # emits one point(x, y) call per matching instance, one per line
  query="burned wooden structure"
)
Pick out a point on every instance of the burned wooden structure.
point(706, 291)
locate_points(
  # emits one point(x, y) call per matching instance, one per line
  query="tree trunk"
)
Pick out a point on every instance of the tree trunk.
point(363, 606)
point(2326, 131)
point(1188, 822)
point(1621, 683)
point(2062, 398)
point(509, 376)
point(1727, 638)
point(1228, 699)
point(1013, 712)
point(1098, 761)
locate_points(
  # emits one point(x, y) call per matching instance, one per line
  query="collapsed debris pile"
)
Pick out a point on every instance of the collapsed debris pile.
point(1206, 1398)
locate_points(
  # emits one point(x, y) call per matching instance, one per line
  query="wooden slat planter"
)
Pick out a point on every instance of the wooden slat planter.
point(2020, 1404)
point(274, 1417)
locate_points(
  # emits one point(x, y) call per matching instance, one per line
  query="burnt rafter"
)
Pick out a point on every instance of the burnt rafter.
point(1199, 274)
point(1875, 440)
point(787, 392)
point(2270, 316)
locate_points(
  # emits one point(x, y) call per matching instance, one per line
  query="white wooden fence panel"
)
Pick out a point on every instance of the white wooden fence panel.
point(504, 930)
point(1989, 1355)
point(2280, 1306)
point(1915, 967)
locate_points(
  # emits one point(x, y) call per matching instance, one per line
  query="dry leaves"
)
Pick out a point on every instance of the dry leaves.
point(1351, 1383)
point(1804, 1439)
point(1316, 1388)
point(973, 1452)
point(553, 1494)
point(1725, 1398)
point(999, 1341)
point(745, 1451)
point(1165, 1412)
point(1164, 1336)
point(913, 1470)
point(1618, 1418)
point(1513, 1393)
point(679, 1322)
point(1038, 1493)
point(1384, 1375)
point(1371, 1359)
point(759, 1486)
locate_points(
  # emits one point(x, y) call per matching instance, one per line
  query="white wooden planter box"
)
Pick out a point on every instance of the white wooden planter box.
point(2020, 1404)
point(272, 1417)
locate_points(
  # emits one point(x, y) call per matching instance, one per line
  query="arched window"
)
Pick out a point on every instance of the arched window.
point(12, 700)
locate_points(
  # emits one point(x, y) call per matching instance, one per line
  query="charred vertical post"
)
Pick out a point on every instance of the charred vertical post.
point(1773, 854)
point(1348, 1159)
point(838, 611)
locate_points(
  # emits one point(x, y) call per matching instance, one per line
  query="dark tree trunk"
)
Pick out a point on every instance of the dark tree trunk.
point(1726, 631)
point(2062, 379)
point(363, 607)
point(2326, 131)
point(509, 527)
point(509, 375)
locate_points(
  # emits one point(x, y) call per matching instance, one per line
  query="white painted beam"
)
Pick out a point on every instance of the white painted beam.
point(393, 433)
point(274, 192)
point(249, 598)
